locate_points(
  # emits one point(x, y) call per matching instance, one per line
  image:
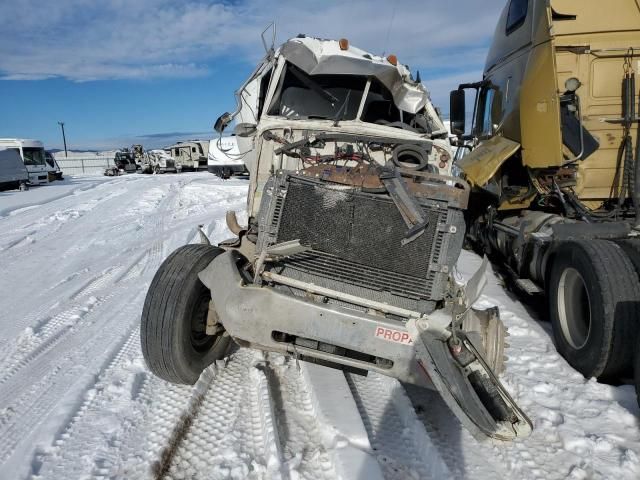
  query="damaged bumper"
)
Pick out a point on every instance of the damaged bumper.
point(417, 351)
point(263, 317)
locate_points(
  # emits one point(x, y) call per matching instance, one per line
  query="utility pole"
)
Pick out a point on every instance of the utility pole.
point(64, 139)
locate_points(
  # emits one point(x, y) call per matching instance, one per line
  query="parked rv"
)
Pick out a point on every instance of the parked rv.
point(13, 173)
point(32, 154)
point(159, 161)
point(225, 159)
point(191, 155)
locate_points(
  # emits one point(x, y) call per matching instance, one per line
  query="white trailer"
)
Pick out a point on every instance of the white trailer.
point(224, 157)
point(192, 155)
point(33, 157)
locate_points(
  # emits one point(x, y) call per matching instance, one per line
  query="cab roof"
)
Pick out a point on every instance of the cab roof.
point(317, 56)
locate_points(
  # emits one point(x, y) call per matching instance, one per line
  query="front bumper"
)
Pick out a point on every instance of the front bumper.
point(259, 315)
point(264, 318)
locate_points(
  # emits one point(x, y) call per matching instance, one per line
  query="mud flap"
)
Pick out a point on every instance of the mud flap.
point(467, 384)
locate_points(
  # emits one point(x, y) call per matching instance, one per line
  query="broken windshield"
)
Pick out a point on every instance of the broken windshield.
point(300, 96)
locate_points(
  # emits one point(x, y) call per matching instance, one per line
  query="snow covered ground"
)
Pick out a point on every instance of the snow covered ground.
point(76, 400)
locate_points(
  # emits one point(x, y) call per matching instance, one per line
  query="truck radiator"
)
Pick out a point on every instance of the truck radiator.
point(355, 240)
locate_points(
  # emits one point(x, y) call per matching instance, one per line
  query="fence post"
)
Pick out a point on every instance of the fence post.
point(82, 163)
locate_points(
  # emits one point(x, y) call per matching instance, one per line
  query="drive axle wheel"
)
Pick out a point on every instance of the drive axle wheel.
point(636, 371)
point(632, 249)
point(594, 299)
point(173, 335)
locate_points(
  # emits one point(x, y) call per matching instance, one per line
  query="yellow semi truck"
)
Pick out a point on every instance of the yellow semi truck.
point(553, 156)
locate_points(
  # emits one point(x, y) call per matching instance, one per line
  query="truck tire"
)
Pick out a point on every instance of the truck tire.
point(594, 298)
point(172, 331)
point(636, 371)
point(632, 249)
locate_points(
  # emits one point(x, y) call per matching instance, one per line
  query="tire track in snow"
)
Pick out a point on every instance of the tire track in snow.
point(50, 375)
point(43, 338)
point(232, 434)
point(52, 330)
point(400, 443)
point(304, 441)
point(98, 282)
point(257, 420)
point(52, 221)
point(464, 456)
point(49, 330)
point(112, 406)
point(153, 232)
point(52, 378)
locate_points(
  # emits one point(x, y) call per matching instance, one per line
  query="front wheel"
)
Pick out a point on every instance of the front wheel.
point(174, 341)
point(594, 298)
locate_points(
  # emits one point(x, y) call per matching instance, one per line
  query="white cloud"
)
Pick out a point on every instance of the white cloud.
point(83, 40)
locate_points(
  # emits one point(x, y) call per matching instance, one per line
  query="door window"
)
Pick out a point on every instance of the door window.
point(485, 117)
point(264, 87)
point(517, 14)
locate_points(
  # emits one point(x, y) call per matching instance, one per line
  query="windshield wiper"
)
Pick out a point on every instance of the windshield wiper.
point(312, 84)
point(342, 111)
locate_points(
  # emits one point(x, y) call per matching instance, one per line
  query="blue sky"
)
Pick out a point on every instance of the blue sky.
point(152, 71)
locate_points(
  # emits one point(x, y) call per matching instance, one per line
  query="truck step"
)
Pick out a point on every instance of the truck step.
point(528, 286)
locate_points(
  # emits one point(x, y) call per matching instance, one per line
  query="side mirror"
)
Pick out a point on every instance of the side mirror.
point(457, 112)
point(222, 122)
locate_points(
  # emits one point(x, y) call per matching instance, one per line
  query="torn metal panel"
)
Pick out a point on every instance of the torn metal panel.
point(483, 162)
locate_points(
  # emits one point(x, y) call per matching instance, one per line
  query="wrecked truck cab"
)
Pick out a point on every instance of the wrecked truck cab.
point(354, 230)
point(323, 83)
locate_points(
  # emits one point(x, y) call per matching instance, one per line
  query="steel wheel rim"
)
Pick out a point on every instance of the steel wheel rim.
point(574, 308)
point(200, 341)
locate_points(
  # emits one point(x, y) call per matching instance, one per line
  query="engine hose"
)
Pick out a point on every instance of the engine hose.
point(636, 199)
point(416, 152)
point(628, 185)
point(636, 160)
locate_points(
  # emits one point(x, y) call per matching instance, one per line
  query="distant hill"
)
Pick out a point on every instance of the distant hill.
point(58, 150)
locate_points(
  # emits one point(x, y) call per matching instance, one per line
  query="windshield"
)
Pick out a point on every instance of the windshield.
point(300, 96)
point(33, 156)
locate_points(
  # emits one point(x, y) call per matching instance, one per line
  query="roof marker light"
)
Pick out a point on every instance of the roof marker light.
point(393, 60)
point(344, 44)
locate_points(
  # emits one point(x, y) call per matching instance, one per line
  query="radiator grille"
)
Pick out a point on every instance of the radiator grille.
point(359, 274)
point(355, 238)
